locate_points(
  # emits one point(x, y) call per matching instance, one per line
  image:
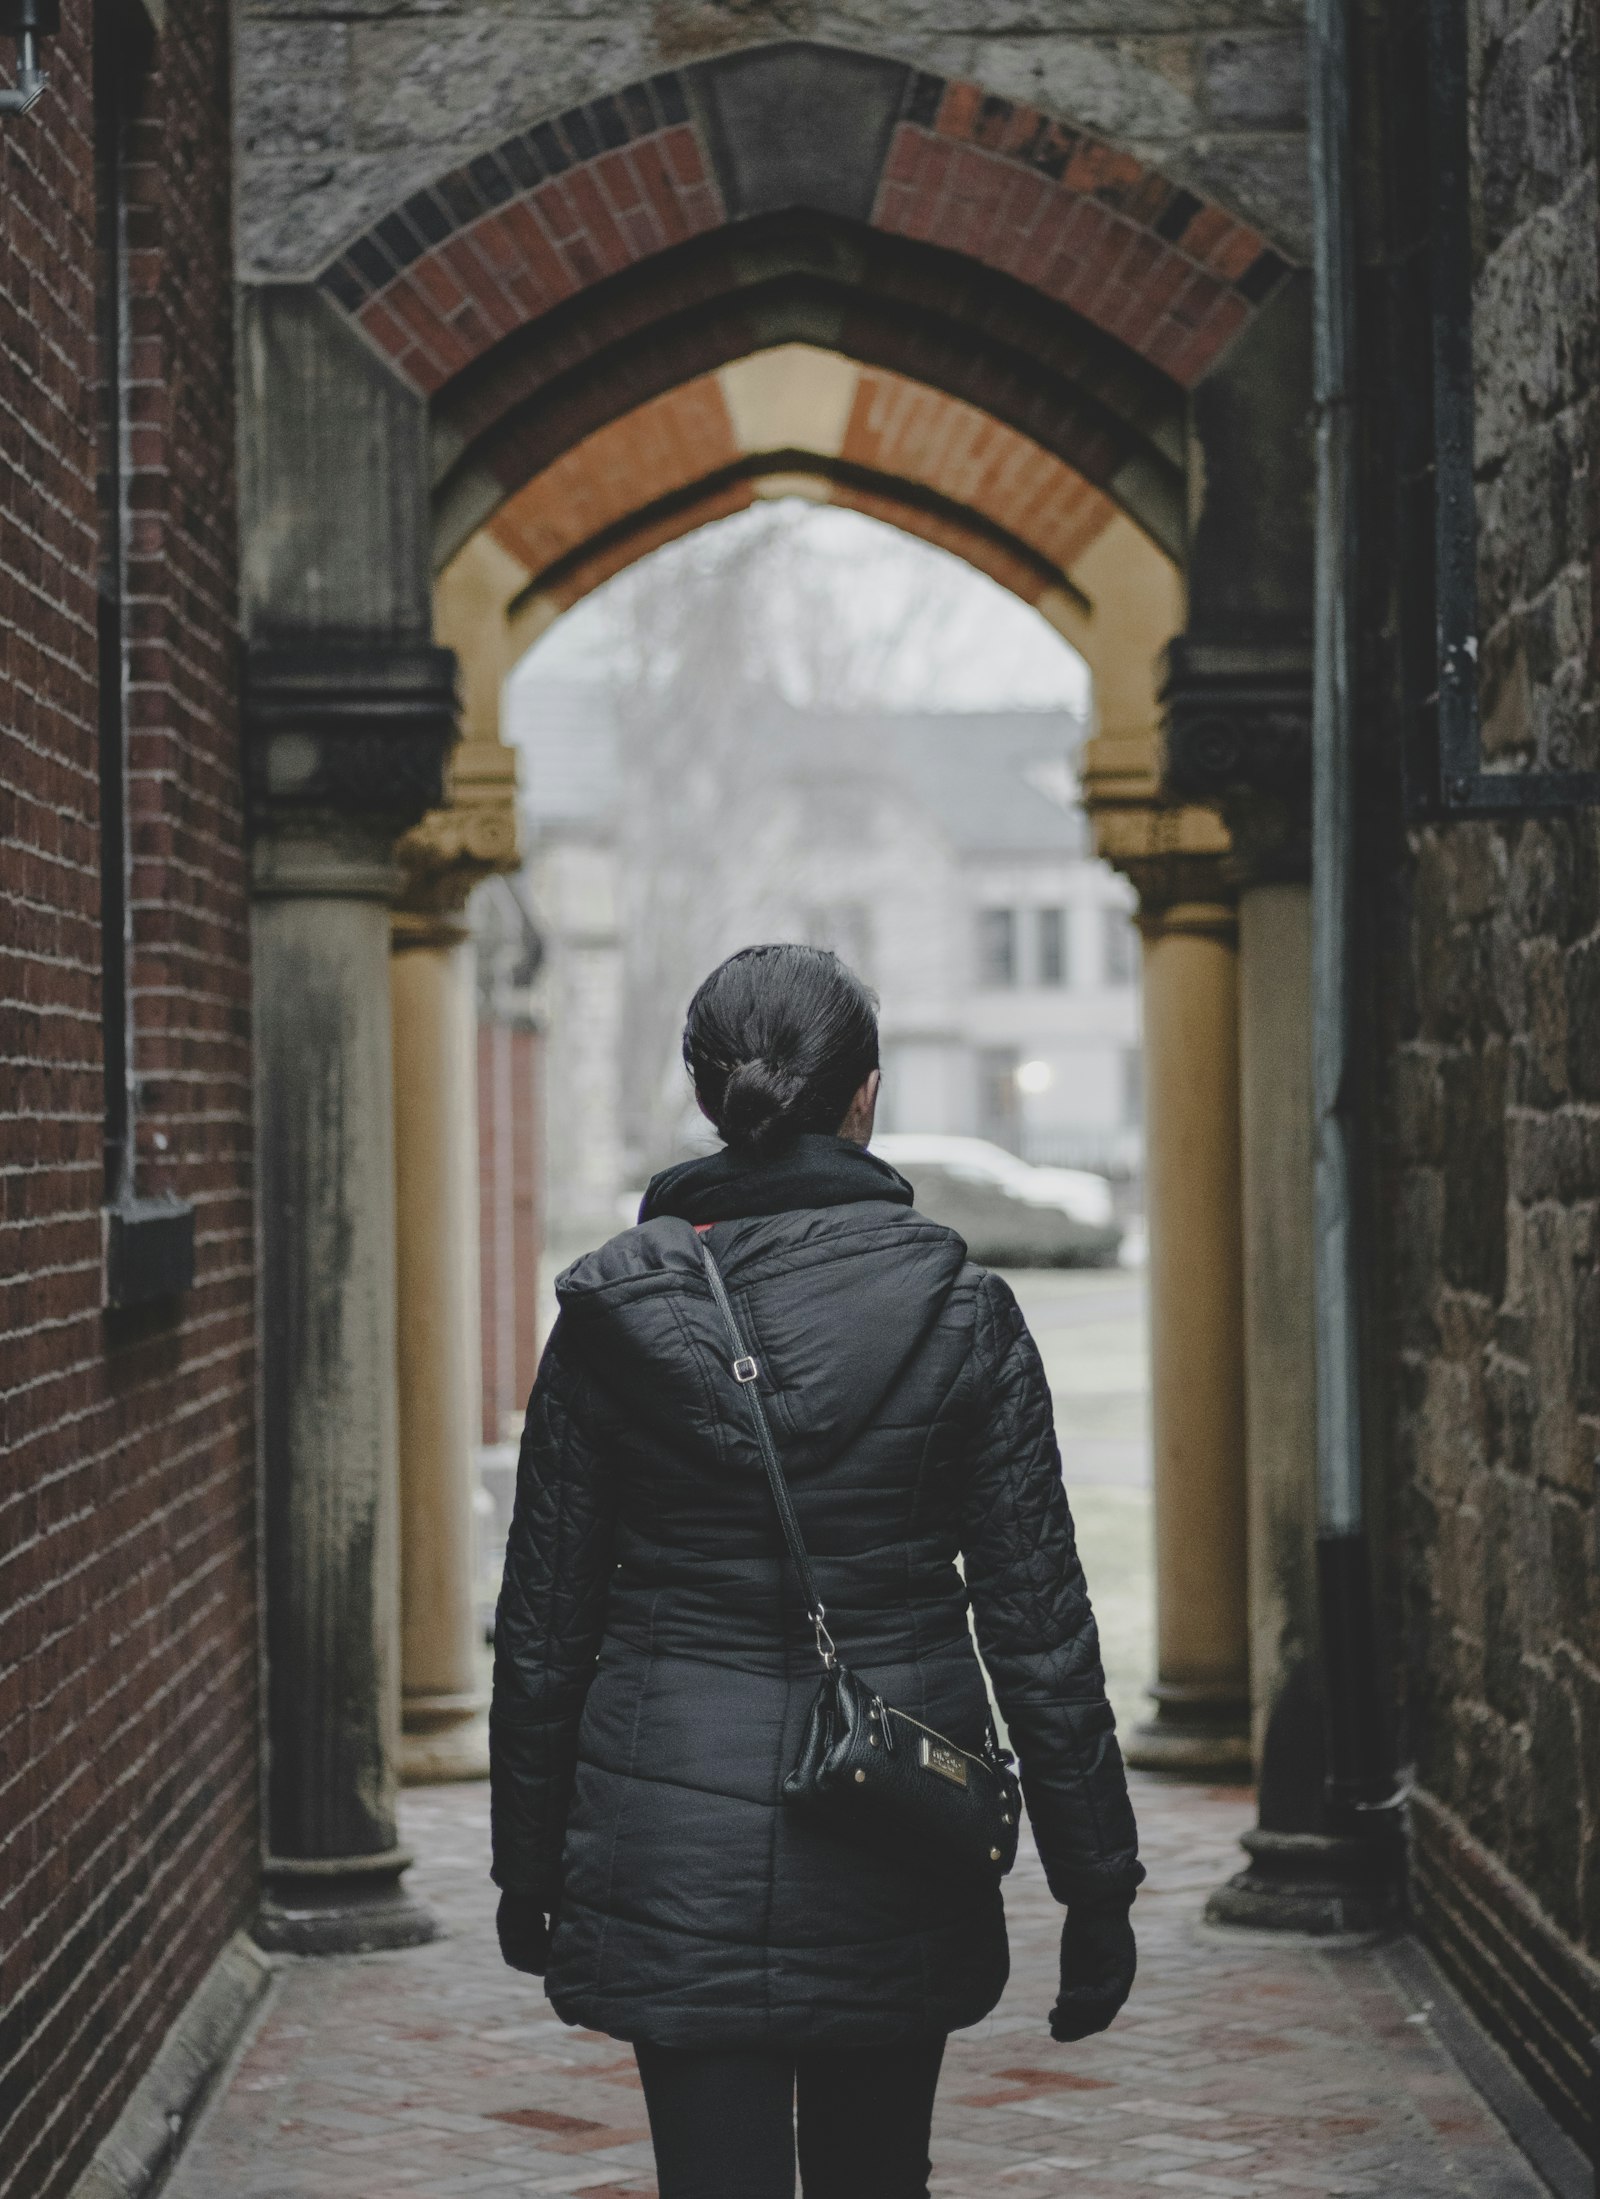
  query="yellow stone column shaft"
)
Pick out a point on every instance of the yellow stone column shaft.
point(444, 1732)
point(1176, 855)
point(1191, 1007)
point(436, 1259)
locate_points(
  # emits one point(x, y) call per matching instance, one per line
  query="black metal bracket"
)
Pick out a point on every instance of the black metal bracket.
point(149, 1251)
point(27, 21)
point(1464, 786)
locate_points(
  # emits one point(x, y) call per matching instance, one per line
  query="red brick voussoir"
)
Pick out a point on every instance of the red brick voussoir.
point(1092, 227)
point(521, 228)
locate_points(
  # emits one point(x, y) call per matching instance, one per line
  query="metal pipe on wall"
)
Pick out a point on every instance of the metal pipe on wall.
point(1359, 1775)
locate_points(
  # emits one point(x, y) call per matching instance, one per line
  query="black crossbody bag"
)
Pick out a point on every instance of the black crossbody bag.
point(865, 1769)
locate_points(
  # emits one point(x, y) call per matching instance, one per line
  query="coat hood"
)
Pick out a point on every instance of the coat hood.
point(812, 1171)
point(834, 1301)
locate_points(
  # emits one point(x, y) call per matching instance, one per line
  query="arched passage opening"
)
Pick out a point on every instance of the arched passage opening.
point(789, 265)
point(796, 722)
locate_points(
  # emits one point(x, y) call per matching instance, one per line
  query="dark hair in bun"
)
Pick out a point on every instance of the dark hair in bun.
point(778, 1041)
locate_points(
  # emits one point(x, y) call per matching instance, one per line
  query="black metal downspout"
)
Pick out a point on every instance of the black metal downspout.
point(1359, 1773)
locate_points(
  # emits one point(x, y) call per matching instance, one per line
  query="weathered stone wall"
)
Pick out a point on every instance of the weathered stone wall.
point(1491, 1122)
point(1537, 345)
point(128, 1736)
point(345, 111)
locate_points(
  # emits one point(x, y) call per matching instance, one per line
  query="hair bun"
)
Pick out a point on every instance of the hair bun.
point(778, 1040)
point(758, 1101)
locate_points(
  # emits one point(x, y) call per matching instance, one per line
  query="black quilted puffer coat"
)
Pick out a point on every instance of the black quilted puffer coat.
point(653, 1661)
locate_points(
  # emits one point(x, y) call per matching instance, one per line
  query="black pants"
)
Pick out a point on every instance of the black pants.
point(724, 2124)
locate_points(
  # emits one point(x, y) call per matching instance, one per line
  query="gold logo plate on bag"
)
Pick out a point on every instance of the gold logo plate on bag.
point(948, 1763)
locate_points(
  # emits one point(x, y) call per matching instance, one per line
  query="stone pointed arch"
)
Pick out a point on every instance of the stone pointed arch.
point(783, 192)
point(530, 222)
point(798, 419)
point(799, 190)
point(910, 309)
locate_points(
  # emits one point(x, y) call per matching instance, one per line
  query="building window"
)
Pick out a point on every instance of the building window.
point(997, 946)
point(1053, 968)
point(1120, 949)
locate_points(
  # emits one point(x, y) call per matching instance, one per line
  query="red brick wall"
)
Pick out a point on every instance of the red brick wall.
point(128, 1734)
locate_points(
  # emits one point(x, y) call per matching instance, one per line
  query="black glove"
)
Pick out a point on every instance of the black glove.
point(1098, 1959)
point(524, 1934)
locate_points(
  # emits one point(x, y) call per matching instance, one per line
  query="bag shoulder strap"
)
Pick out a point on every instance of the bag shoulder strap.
point(746, 1373)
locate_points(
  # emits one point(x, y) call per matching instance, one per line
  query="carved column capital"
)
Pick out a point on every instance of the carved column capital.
point(452, 849)
point(347, 729)
point(1174, 853)
point(1236, 735)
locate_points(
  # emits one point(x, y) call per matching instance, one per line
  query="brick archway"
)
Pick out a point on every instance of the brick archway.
point(909, 309)
point(800, 192)
point(548, 212)
point(798, 418)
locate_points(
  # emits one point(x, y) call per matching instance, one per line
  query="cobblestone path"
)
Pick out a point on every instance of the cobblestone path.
point(1242, 2067)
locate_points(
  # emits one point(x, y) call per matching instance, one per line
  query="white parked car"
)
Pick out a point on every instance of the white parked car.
point(1008, 1211)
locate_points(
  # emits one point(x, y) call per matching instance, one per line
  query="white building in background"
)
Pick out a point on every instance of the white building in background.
point(943, 855)
point(570, 883)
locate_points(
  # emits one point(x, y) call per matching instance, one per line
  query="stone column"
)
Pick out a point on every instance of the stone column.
point(433, 981)
point(1202, 1686)
point(1176, 855)
point(1280, 1344)
point(323, 1089)
point(1236, 736)
point(346, 747)
point(349, 716)
point(1298, 1878)
point(444, 1728)
point(1238, 733)
point(1301, 1877)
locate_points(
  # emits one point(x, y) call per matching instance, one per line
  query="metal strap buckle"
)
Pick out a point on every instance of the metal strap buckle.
point(745, 1370)
point(825, 1648)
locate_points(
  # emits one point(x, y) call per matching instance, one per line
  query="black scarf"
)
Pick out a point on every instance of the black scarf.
point(815, 1170)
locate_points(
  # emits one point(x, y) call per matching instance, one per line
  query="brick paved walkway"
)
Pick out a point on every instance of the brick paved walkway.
point(1242, 2067)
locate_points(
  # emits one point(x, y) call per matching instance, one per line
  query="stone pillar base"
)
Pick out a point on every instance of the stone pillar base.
point(340, 1905)
point(443, 1738)
point(1194, 1732)
point(1309, 1882)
